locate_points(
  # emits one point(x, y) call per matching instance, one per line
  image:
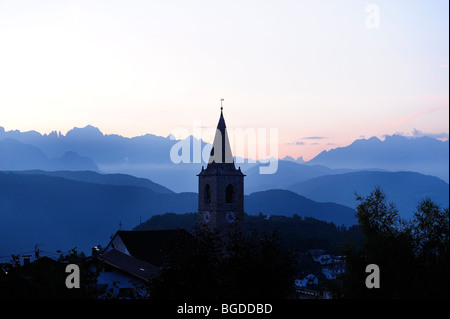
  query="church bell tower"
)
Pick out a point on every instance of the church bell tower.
point(221, 187)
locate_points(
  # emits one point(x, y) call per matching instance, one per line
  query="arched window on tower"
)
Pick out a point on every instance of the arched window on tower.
point(207, 194)
point(229, 194)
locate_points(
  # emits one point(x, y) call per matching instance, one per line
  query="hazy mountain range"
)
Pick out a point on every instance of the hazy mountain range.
point(74, 189)
point(143, 156)
point(15, 155)
point(149, 156)
point(404, 189)
point(62, 210)
point(424, 155)
point(288, 173)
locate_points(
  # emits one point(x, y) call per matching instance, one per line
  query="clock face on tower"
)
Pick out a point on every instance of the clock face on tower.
point(206, 217)
point(230, 217)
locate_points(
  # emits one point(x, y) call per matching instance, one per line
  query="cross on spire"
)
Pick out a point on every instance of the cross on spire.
point(221, 107)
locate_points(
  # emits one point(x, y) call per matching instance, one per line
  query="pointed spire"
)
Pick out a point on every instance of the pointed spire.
point(221, 155)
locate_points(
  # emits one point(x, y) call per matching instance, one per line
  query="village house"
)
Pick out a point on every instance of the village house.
point(132, 259)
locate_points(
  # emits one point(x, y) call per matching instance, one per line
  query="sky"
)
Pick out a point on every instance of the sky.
point(322, 72)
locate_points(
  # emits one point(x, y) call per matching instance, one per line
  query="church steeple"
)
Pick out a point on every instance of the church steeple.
point(221, 186)
point(221, 156)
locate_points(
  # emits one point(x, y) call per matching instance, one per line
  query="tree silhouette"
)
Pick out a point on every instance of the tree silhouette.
point(412, 255)
point(224, 267)
point(429, 231)
point(45, 278)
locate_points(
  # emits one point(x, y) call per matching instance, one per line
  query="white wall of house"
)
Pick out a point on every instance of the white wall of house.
point(324, 259)
point(310, 279)
point(117, 283)
point(331, 273)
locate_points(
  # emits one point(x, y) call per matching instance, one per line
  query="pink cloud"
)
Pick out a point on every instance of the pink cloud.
point(445, 64)
point(410, 117)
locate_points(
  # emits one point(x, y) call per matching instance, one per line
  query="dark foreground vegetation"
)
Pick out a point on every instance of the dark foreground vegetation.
point(412, 255)
point(300, 233)
point(263, 261)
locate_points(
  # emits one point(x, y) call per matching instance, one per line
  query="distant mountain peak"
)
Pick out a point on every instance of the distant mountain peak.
point(171, 137)
point(370, 141)
point(374, 139)
point(291, 159)
point(87, 131)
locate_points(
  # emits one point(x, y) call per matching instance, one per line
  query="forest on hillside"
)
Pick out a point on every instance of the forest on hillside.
point(300, 233)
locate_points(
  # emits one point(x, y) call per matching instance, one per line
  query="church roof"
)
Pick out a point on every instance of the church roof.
point(149, 245)
point(129, 264)
point(221, 158)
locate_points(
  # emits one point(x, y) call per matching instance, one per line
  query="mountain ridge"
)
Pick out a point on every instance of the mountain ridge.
point(61, 213)
point(16, 155)
point(404, 189)
point(426, 155)
point(103, 179)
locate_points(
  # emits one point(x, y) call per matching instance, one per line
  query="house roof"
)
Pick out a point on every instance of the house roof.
point(149, 245)
point(129, 264)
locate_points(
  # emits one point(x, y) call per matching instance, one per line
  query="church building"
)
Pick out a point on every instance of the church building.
point(221, 187)
point(133, 258)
